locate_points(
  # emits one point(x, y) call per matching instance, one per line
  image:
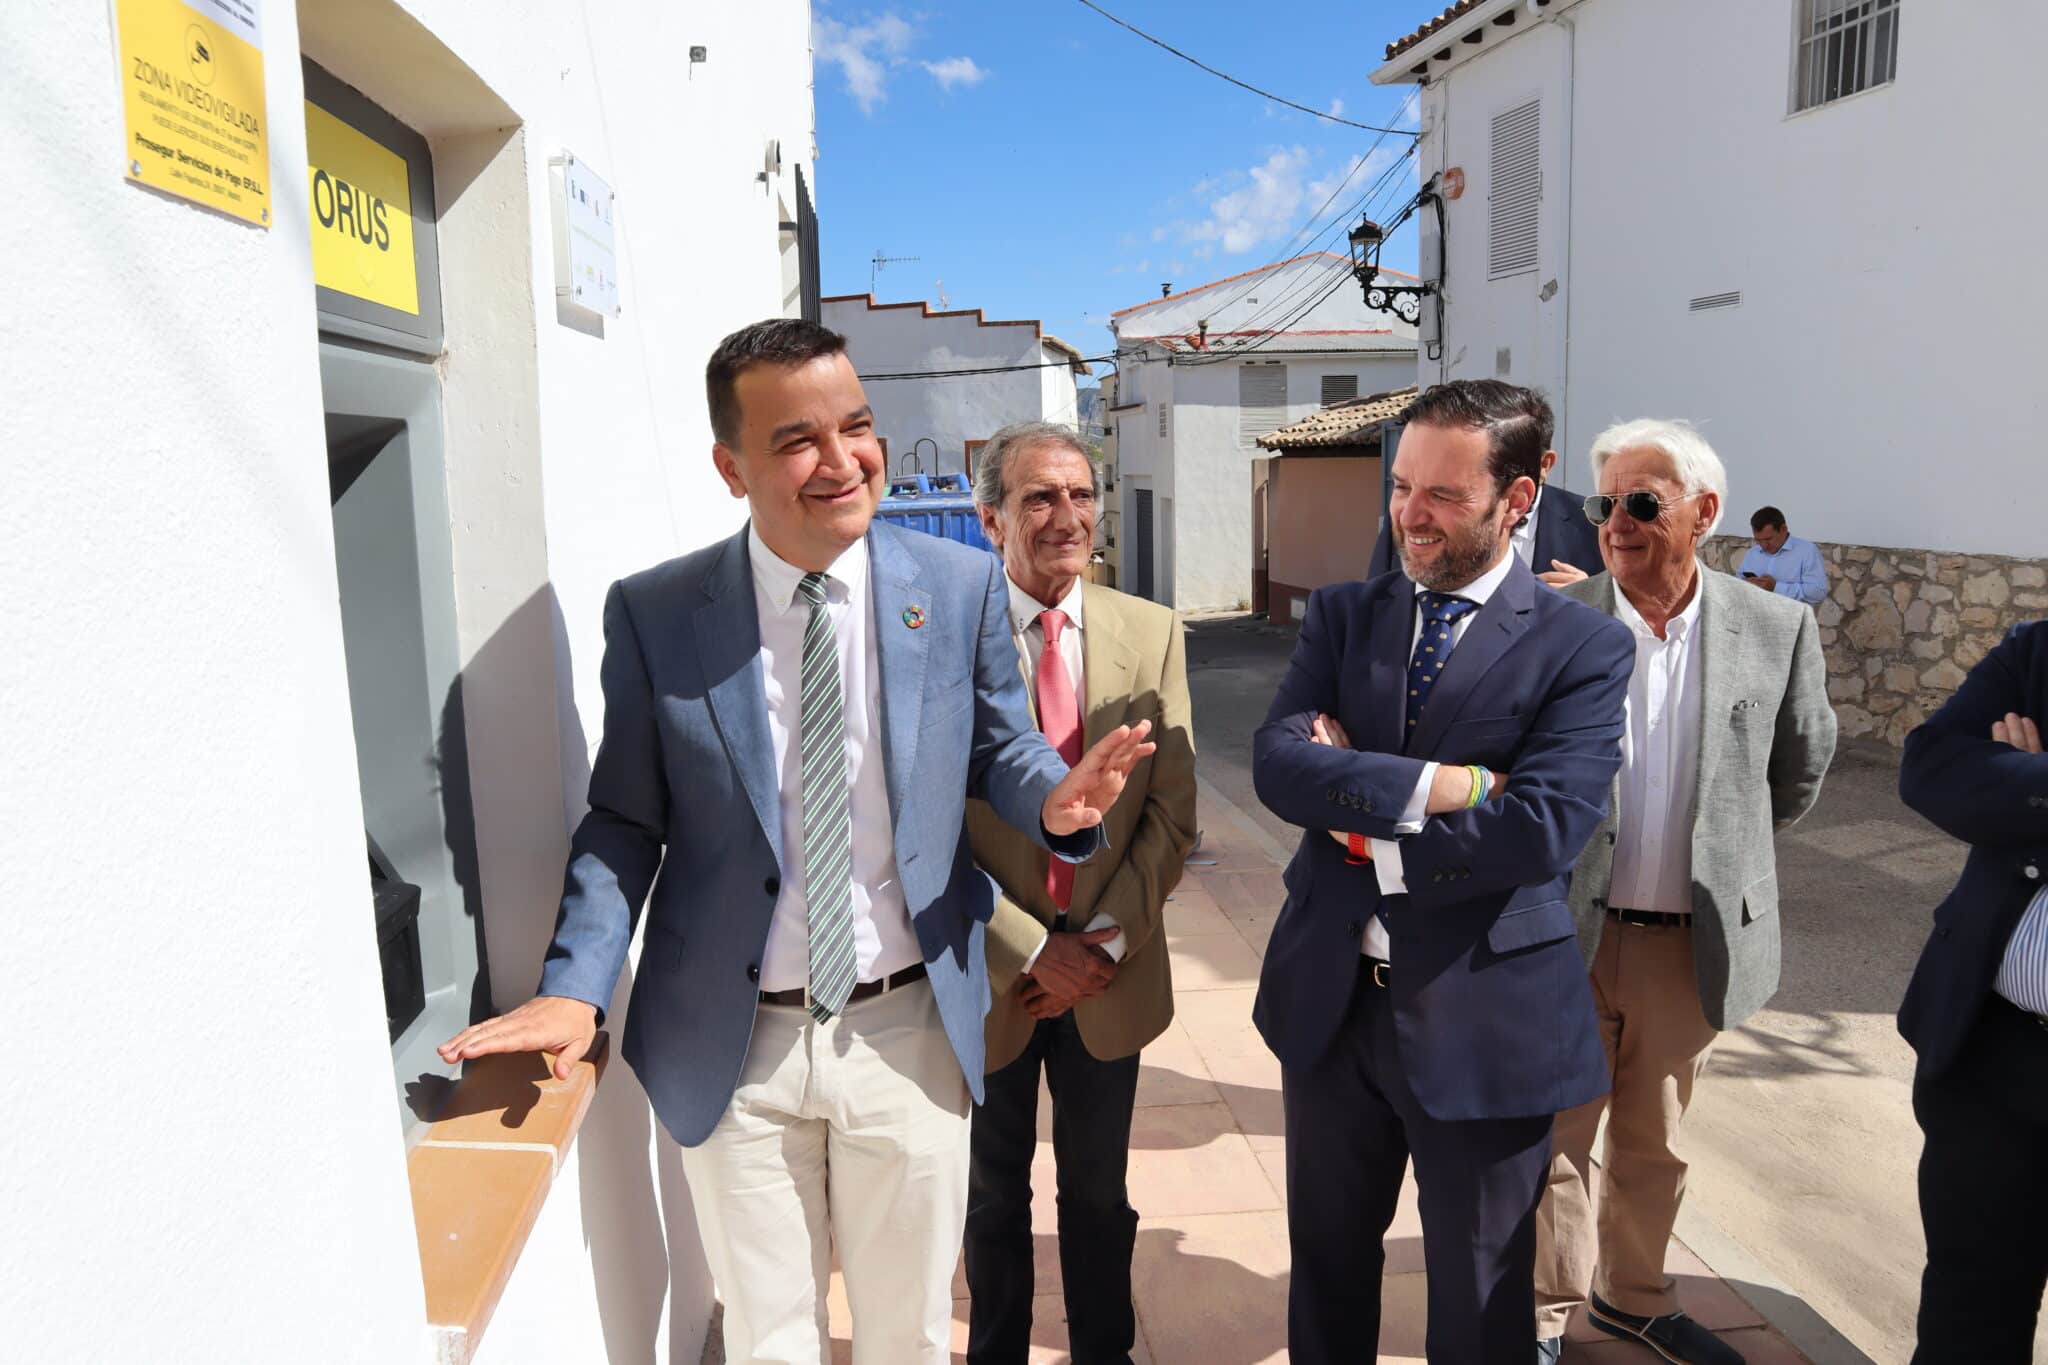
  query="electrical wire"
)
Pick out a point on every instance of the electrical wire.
point(1243, 85)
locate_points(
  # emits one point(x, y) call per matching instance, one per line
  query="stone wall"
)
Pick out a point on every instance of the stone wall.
point(1902, 627)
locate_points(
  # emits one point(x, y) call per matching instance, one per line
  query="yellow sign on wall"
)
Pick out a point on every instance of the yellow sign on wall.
point(192, 86)
point(362, 214)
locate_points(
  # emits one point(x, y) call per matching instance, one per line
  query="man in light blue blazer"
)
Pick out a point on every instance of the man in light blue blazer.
point(794, 719)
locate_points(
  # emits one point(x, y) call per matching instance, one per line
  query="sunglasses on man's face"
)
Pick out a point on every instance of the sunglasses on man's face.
point(1641, 505)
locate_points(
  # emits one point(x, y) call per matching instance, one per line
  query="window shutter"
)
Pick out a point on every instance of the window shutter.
point(1339, 388)
point(1261, 401)
point(1515, 191)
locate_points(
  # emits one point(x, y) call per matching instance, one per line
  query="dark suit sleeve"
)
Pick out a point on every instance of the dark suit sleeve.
point(1310, 784)
point(1556, 793)
point(617, 848)
point(1012, 767)
point(1953, 772)
point(1803, 743)
point(1564, 533)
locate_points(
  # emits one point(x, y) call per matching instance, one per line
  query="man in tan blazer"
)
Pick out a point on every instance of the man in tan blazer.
point(1076, 957)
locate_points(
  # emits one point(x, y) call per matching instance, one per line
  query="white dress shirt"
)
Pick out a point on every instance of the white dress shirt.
point(1386, 853)
point(1030, 637)
point(1660, 763)
point(883, 941)
point(1522, 540)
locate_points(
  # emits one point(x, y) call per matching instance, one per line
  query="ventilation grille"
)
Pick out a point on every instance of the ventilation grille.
point(1165, 411)
point(1515, 191)
point(1261, 401)
point(1339, 388)
point(1706, 303)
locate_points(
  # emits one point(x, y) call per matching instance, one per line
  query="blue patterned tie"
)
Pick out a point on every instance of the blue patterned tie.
point(1432, 647)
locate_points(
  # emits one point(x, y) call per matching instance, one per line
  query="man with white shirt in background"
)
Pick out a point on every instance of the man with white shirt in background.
point(1076, 954)
point(1728, 736)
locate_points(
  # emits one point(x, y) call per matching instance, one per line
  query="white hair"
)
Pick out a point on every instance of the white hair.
point(1679, 441)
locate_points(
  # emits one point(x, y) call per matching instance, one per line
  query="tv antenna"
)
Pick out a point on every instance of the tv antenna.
point(878, 261)
point(944, 302)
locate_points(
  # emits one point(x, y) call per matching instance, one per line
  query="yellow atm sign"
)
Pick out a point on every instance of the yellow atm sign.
point(362, 215)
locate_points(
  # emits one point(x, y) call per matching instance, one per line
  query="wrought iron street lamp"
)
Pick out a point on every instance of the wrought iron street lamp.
point(1402, 300)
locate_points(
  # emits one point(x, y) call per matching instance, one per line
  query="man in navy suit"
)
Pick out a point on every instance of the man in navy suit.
point(1447, 736)
point(793, 721)
point(1976, 1012)
point(1554, 539)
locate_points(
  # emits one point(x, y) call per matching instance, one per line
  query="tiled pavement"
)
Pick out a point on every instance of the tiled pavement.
point(1206, 1172)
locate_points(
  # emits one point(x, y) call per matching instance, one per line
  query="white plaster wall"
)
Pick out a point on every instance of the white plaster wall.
point(204, 1162)
point(1212, 466)
point(897, 339)
point(219, 1095)
point(1058, 388)
point(1886, 353)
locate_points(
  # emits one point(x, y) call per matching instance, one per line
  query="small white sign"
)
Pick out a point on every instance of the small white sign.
point(586, 261)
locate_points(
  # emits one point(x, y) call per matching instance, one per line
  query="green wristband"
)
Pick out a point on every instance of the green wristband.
point(1480, 785)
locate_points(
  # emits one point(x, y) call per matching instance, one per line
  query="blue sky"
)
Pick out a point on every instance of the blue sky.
point(1043, 163)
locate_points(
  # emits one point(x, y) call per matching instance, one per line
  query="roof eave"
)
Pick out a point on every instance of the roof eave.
point(1403, 67)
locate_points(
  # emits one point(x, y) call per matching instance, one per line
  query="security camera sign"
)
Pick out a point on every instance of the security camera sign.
point(192, 88)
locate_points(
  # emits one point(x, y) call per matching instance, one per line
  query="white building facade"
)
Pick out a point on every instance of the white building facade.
point(1705, 247)
point(1708, 212)
point(236, 526)
point(1202, 374)
point(931, 425)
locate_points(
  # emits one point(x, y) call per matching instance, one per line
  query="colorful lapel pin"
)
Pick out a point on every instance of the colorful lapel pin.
point(913, 617)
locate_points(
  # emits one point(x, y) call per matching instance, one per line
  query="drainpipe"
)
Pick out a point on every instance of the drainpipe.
point(1564, 369)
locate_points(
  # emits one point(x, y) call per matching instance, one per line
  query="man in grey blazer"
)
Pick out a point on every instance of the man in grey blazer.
point(1729, 733)
point(794, 719)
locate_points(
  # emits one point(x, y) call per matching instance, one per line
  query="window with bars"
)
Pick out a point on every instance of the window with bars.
point(1339, 388)
point(1845, 47)
point(1514, 191)
point(1261, 401)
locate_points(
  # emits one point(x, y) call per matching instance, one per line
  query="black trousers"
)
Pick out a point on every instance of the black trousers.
point(1352, 1125)
point(1984, 1194)
point(1091, 1141)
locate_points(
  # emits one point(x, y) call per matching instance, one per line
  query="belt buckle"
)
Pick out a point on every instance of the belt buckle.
point(1380, 978)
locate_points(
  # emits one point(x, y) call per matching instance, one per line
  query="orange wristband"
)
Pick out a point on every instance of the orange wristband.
point(1356, 852)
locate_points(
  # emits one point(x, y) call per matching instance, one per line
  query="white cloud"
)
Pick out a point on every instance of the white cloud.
point(1337, 108)
point(1260, 210)
point(956, 71)
point(864, 53)
point(1264, 204)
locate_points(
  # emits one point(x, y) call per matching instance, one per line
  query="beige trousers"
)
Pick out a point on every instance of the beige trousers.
point(849, 1136)
point(1657, 1041)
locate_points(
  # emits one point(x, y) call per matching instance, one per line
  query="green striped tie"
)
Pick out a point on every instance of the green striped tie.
point(828, 825)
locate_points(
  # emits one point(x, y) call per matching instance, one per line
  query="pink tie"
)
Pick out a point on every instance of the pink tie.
point(1059, 716)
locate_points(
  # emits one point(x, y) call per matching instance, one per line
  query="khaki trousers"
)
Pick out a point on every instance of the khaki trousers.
point(849, 1136)
point(1657, 1041)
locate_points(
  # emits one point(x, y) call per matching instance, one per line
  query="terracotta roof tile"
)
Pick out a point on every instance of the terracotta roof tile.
point(1454, 13)
point(1351, 423)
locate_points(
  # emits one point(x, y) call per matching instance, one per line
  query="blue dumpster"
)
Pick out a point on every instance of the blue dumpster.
point(936, 504)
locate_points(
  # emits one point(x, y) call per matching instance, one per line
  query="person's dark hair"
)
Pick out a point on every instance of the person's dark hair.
point(776, 341)
point(1766, 516)
point(1517, 422)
